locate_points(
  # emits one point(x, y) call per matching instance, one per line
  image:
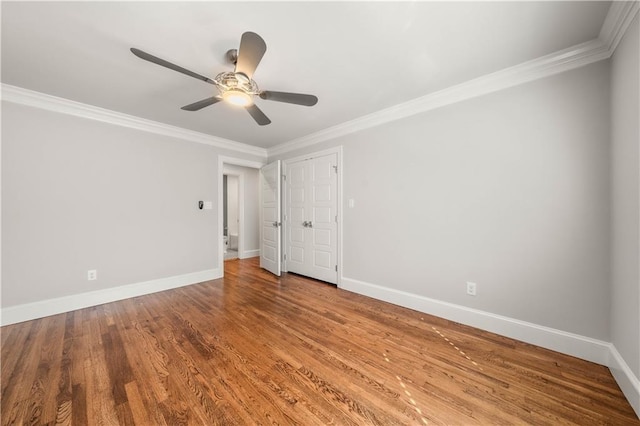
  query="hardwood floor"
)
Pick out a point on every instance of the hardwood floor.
point(255, 349)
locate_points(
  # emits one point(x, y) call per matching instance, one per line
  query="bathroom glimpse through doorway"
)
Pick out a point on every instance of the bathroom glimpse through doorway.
point(231, 215)
point(239, 236)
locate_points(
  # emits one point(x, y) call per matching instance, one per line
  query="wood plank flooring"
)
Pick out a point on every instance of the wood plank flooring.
point(256, 349)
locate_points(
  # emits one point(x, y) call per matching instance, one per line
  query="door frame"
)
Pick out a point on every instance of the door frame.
point(285, 168)
point(232, 161)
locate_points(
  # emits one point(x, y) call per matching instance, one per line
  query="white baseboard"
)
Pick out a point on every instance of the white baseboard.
point(249, 253)
point(546, 337)
point(45, 308)
point(586, 348)
point(627, 381)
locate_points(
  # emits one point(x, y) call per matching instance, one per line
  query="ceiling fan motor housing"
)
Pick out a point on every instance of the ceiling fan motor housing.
point(232, 56)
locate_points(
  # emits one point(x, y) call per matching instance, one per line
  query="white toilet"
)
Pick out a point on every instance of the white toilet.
point(233, 242)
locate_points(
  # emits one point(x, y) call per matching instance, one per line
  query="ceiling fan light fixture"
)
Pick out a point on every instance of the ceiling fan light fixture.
point(237, 97)
point(237, 87)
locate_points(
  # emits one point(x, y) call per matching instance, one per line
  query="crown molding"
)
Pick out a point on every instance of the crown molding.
point(618, 19)
point(564, 60)
point(65, 106)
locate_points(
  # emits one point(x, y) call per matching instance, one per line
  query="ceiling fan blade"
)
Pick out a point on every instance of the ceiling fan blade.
point(196, 106)
point(252, 48)
point(290, 98)
point(258, 115)
point(148, 57)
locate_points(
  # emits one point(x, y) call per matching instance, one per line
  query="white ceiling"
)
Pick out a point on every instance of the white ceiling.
point(357, 57)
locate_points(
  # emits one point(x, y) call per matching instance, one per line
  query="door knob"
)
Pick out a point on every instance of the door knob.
point(276, 224)
point(310, 224)
point(305, 224)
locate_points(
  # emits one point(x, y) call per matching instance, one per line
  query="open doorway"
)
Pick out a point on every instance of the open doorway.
point(231, 215)
point(238, 198)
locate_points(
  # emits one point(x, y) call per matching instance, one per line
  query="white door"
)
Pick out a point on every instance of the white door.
point(312, 218)
point(270, 240)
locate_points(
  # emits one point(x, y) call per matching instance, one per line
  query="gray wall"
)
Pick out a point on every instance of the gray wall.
point(509, 190)
point(252, 209)
point(233, 211)
point(79, 194)
point(625, 199)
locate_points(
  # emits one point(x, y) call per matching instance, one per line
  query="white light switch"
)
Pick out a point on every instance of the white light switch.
point(352, 203)
point(208, 205)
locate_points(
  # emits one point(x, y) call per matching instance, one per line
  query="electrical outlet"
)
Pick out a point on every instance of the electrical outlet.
point(471, 288)
point(92, 275)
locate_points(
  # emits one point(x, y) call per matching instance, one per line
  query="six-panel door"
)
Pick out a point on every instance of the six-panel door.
point(312, 218)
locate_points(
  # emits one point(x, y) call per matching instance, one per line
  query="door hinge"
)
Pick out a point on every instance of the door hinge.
point(336, 268)
point(284, 177)
point(335, 168)
point(336, 218)
point(285, 256)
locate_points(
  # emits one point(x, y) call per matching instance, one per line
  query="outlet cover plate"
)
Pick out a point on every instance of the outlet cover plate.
point(471, 288)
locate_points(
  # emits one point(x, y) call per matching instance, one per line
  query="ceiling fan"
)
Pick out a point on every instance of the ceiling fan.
point(237, 87)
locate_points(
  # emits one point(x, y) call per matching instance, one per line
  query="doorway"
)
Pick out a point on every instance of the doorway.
point(238, 228)
point(231, 216)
